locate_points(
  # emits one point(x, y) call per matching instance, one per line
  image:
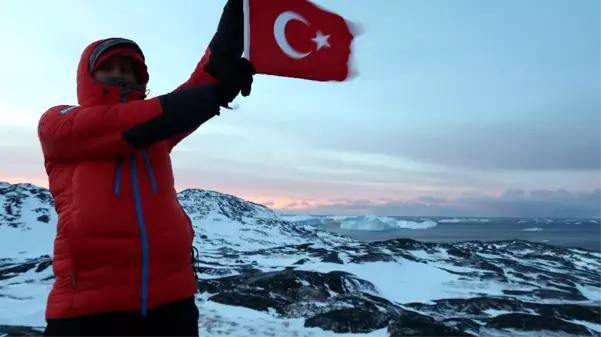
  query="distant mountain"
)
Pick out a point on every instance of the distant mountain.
point(264, 276)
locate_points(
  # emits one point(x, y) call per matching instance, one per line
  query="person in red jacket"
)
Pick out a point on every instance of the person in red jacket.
point(122, 251)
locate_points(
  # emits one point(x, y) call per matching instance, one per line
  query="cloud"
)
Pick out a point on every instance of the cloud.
point(20, 152)
point(561, 135)
point(509, 147)
point(555, 131)
point(512, 203)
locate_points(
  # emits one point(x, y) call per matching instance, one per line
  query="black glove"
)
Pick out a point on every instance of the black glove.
point(237, 78)
point(225, 65)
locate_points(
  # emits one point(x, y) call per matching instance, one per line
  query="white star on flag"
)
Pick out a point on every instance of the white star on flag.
point(321, 40)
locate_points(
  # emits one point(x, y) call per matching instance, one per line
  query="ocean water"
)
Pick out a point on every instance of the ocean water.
point(575, 233)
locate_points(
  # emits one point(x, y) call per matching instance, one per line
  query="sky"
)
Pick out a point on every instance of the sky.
point(459, 108)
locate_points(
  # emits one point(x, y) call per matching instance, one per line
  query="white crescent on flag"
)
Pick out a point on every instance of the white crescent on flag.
point(279, 31)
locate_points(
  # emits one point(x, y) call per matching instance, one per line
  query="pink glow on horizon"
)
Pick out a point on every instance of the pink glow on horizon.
point(271, 198)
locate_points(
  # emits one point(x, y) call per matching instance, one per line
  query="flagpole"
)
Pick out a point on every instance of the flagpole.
point(246, 9)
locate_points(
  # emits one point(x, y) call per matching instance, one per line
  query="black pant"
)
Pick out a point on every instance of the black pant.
point(173, 319)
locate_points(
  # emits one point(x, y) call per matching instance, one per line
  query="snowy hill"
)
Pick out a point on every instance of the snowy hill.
point(264, 276)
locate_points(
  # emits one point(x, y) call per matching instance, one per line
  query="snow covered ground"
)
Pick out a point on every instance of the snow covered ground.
point(302, 281)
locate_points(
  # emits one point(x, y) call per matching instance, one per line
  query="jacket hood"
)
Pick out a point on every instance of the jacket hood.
point(93, 92)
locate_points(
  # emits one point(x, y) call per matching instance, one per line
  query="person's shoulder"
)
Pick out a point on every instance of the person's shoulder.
point(58, 110)
point(61, 109)
point(52, 114)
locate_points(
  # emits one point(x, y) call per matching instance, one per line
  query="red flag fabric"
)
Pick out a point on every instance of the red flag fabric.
point(296, 38)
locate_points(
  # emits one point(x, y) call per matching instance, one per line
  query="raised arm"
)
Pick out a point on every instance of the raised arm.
point(110, 131)
point(224, 50)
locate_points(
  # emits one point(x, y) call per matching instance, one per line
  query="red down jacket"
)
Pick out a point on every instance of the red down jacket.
point(123, 241)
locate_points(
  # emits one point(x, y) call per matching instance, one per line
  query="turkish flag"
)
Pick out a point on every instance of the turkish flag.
point(296, 38)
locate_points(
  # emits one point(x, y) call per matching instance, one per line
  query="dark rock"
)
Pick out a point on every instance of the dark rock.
point(575, 295)
point(526, 322)
point(405, 243)
point(547, 294)
point(256, 299)
point(301, 261)
point(332, 257)
point(44, 218)
point(350, 320)
point(477, 307)
point(373, 257)
point(570, 312)
point(324, 298)
point(42, 265)
point(289, 282)
point(10, 270)
point(458, 253)
point(414, 324)
point(18, 331)
point(462, 324)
